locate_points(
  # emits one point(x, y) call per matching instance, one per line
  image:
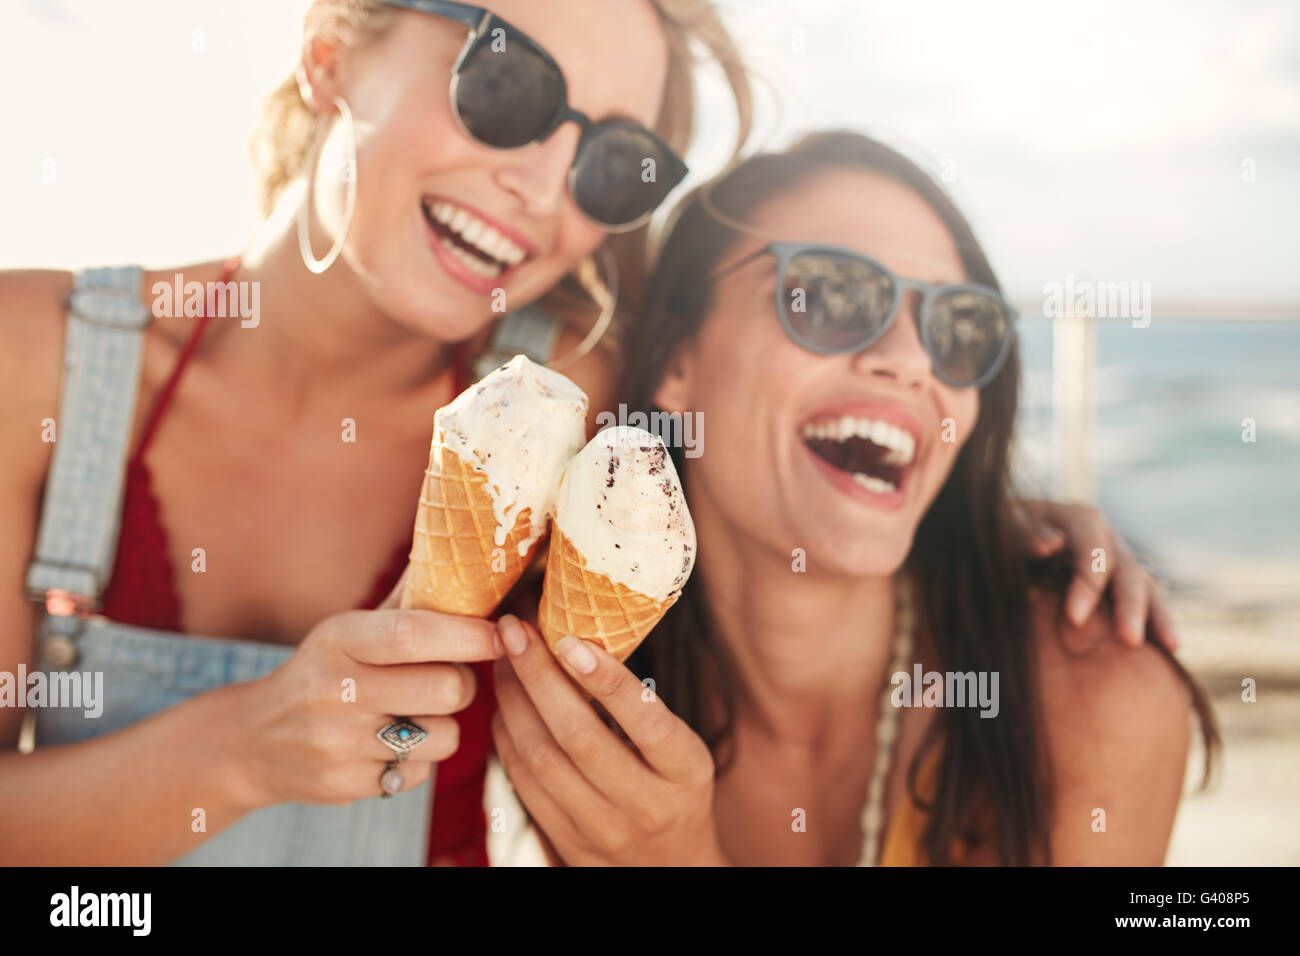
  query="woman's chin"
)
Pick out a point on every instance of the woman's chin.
point(430, 312)
point(855, 556)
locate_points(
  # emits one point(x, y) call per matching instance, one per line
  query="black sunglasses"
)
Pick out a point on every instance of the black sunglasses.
point(507, 92)
point(833, 300)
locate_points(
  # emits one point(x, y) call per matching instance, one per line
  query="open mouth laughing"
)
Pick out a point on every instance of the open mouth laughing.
point(472, 249)
point(873, 454)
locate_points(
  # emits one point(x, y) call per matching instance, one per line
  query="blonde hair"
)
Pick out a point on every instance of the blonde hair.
point(282, 144)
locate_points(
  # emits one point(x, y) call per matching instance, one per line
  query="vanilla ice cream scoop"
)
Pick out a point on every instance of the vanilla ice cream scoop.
point(518, 427)
point(622, 509)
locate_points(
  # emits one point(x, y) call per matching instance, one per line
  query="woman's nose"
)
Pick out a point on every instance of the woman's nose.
point(898, 355)
point(538, 176)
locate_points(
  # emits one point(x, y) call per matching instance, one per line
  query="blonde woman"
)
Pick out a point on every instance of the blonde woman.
point(426, 164)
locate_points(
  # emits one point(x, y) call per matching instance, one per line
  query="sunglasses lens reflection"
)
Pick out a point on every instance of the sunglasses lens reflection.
point(835, 302)
point(967, 330)
point(508, 98)
point(622, 172)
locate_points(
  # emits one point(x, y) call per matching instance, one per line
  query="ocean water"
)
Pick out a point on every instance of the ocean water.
point(1170, 467)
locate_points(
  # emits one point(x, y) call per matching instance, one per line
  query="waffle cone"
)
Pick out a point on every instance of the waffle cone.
point(452, 550)
point(587, 604)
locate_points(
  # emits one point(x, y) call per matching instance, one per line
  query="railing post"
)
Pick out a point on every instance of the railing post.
point(1074, 367)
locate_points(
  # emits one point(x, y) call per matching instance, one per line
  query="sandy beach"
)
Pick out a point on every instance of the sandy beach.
point(1247, 816)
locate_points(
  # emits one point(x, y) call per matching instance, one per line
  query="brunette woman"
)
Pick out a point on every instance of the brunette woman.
point(830, 315)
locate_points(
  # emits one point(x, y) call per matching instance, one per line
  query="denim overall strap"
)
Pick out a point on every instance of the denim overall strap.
point(530, 331)
point(129, 673)
point(101, 368)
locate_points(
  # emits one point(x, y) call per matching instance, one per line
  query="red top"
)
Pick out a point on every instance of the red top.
point(142, 592)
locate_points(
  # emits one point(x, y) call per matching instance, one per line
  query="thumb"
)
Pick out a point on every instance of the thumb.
point(395, 596)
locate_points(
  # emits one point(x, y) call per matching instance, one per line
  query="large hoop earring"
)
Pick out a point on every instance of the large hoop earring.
point(605, 294)
point(314, 265)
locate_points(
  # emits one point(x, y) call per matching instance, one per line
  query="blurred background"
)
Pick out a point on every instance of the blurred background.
point(1153, 145)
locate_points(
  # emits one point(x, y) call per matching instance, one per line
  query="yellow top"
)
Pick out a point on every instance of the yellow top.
point(902, 843)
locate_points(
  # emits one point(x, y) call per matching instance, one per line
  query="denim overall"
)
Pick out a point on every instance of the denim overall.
point(144, 670)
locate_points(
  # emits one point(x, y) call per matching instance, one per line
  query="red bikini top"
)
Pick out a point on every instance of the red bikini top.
point(142, 592)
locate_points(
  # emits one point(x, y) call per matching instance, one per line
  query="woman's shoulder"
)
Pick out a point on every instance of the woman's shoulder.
point(31, 310)
point(1117, 723)
point(1091, 671)
point(32, 340)
point(31, 348)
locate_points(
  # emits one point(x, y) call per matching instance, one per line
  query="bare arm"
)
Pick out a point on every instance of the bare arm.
point(127, 797)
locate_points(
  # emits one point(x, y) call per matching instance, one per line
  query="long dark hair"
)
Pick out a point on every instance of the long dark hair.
point(969, 558)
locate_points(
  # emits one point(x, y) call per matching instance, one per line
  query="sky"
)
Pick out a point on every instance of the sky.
point(1154, 141)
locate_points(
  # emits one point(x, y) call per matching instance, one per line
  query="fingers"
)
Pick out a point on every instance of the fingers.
point(1130, 592)
point(439, 689)
point(1033, 521)
point(666, 741)
point(394, 599)
point(405, 637)
point(359, 780)
point(1095, 553)
point(598, 753)
point(1050, 527)
point(443, 741)
point(550, 816)
point(413, 774)
point(1162, 620)
point(538, 750)
point(1101, 560)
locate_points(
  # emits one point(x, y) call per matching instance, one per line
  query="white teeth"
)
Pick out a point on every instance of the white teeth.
point(472, 262)
point(878, 485)
point(902, 449)
point(478, 233)
point(899, 442)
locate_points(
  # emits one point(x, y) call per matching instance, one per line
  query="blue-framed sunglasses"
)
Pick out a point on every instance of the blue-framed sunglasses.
point(507, 92)
point(833, 300)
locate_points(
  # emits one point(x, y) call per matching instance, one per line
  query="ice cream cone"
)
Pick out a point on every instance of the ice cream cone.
point(622, 543)
point(456, 564)
point(585, 603)
point(495, 461)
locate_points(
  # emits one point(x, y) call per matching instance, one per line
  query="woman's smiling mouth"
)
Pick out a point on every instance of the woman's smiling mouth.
point(868, 456)
point(474, 251)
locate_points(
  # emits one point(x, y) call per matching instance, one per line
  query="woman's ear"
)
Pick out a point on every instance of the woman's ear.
point(674, 392)
point(317, 72)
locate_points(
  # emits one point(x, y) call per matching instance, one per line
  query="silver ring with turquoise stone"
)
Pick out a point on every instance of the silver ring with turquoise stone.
point(402, 736)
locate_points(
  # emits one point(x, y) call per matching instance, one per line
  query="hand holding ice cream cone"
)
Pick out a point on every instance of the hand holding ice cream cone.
point(506, 456)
